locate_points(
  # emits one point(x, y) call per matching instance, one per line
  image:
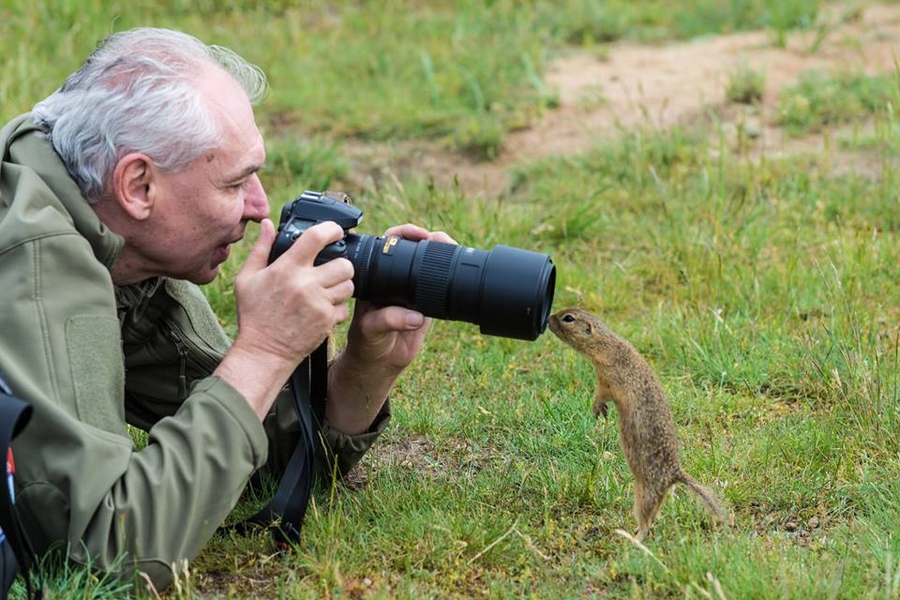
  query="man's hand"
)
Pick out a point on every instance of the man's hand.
point(381, 342)
point(284, 311)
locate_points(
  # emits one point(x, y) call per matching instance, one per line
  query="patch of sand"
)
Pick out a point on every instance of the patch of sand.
point(657, 86)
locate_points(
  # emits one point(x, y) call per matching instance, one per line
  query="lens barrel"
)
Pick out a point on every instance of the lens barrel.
point(507, 291)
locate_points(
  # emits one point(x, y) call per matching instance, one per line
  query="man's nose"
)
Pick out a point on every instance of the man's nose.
point(256, 203)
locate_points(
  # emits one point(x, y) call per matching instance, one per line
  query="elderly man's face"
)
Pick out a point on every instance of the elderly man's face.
point(205, 208)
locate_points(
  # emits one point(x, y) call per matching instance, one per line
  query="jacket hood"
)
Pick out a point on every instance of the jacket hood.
point(33, 178)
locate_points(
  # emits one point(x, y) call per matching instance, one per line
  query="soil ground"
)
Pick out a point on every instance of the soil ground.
point(635, 85)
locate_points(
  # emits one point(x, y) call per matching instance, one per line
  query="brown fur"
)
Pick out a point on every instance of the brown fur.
point(646, 428)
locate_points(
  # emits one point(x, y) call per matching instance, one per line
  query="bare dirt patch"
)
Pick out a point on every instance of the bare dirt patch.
point(637, 85)
point(418, 454)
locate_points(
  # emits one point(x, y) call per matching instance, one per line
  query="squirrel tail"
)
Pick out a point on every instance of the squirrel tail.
point(708, 498)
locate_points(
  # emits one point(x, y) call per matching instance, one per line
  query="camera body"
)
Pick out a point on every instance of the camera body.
point(507, 291)
point(310, 208)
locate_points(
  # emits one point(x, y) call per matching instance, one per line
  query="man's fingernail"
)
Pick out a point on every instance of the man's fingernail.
point(414, 319)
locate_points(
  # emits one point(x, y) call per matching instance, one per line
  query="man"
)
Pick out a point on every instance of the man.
point(118, 193)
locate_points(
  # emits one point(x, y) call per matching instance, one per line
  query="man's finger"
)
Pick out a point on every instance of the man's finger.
point(393, 318)
point(335, 271)
point(415, 233)
point(258, 257)
point(306, 247)
point(340, 293)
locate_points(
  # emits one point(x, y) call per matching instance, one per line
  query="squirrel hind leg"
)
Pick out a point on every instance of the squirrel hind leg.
point(646, 506)
point(641, 533)
point(600, 408)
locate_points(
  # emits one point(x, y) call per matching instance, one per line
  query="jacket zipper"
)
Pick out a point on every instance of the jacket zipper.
point(187, 350)
point(181, 347)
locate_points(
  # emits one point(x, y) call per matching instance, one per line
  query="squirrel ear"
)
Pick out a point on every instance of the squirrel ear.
point(588, 328)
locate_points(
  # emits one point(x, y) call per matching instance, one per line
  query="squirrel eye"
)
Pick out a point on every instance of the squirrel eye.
point(568, 319)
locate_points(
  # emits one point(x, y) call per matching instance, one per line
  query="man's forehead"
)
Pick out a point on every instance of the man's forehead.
point(228, 104)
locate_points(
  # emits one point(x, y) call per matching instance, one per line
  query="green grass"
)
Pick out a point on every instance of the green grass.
point(746, 85)
point(823, 99)
point(764, 292)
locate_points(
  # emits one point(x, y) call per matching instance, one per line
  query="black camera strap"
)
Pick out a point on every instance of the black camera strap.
point(309, 386)
point(17, 550)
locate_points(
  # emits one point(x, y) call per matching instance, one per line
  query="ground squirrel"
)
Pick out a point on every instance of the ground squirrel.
point(646, 428)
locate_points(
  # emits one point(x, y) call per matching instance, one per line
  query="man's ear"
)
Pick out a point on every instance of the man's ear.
point(131, 185)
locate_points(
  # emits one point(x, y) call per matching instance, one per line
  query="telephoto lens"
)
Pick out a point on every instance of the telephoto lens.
point(507, 292)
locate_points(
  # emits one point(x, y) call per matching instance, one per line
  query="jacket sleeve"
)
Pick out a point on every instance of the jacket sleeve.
point(81, 480)
point(184, 345)
point(337, 453)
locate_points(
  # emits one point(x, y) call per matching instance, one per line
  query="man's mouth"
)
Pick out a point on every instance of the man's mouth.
point(232, 242)
point(222, 253)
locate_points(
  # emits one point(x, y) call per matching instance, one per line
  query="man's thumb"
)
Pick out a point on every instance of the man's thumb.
point(258, 257)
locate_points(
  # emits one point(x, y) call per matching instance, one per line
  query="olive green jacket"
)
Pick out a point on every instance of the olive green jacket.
point(92, 357)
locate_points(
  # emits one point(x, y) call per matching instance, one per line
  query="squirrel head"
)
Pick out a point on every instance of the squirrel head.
point(587, 334)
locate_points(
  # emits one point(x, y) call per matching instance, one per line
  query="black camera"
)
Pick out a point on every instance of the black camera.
point(507, 291)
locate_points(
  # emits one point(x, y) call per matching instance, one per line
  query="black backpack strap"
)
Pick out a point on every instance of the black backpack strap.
point(309, 385)
point(14, 414)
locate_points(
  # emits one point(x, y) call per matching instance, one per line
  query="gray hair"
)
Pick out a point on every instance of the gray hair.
point(137, 93)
